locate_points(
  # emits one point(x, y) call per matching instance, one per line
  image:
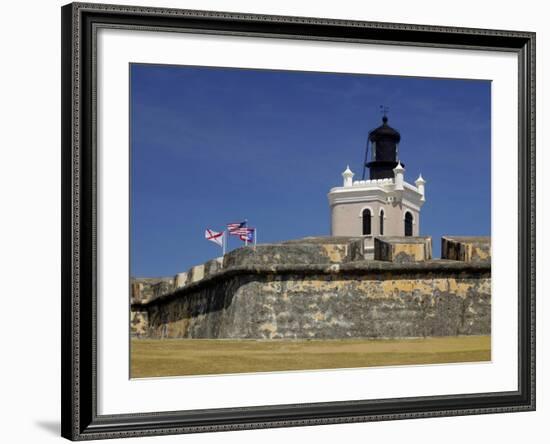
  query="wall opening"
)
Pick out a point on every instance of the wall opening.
point(366, 221)
point(408, 224)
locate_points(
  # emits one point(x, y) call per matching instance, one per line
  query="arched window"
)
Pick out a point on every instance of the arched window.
point(381, 222)
point(366, 221)
point(408, 224)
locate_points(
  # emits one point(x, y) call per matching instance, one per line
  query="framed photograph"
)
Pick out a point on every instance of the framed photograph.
point(278, 221)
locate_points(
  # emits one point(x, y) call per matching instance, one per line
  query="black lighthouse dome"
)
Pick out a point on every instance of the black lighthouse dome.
point(385, 133)
point(383, 142)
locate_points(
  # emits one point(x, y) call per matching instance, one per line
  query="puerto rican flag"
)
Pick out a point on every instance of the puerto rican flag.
point(248, 235)
point(214, 236)
point(237, 228)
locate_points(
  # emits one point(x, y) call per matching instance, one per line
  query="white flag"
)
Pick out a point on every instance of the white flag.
point(214, 236)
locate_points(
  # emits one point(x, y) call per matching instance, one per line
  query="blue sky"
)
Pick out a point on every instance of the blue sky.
point(215, 145)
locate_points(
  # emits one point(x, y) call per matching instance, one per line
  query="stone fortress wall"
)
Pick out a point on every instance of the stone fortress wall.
point(323, 288)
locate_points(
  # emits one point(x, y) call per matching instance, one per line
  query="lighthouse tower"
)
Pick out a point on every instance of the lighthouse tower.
point(383, 205)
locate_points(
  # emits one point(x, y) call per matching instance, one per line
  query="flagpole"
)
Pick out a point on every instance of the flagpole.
point(224, 240)
point(255, 231)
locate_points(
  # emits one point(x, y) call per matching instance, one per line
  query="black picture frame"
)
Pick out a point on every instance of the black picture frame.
point(79, 385)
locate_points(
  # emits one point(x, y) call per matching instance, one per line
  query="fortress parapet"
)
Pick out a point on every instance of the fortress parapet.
point(323, 288)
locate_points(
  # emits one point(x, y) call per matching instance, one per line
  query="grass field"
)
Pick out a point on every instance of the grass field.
point(179, 357)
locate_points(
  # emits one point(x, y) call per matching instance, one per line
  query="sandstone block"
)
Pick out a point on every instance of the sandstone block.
point(466, 249)
point(196, 273)
point(213, 266)
point(181, 280)
point(402, 250)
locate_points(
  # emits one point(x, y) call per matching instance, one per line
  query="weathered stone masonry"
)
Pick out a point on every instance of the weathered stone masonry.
point(321, 288)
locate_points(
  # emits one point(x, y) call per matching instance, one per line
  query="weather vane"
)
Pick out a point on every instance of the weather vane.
point(384, 110)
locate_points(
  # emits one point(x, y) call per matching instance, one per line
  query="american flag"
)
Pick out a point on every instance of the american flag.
point(239, 231)
point(234, 228)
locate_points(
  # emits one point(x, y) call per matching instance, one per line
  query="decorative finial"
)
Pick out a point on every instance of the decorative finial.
point(399, 177)
point(421, 185)
point(384, 111)
point(348, 177)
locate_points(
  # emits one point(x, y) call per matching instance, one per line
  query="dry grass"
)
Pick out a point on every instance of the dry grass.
point(179, 357)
